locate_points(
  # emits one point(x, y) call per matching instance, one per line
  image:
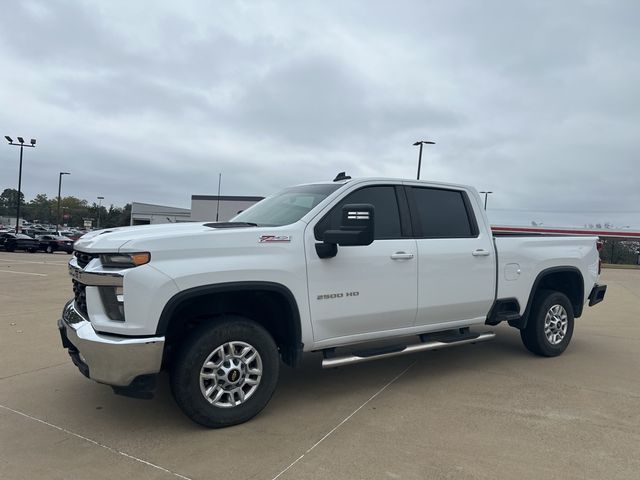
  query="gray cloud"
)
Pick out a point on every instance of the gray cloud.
point(320, 101)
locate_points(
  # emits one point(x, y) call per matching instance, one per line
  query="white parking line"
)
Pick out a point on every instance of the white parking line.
point(98, 444)
point(24, 273)
point(28, 261)
point(346, 419)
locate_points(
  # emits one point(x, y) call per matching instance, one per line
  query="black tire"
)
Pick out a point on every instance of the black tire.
point(10, 249)
point(190, 360)
point(533, 335)
point(49, 249)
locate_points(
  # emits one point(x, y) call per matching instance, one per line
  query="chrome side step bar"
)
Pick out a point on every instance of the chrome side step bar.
point(357, 357)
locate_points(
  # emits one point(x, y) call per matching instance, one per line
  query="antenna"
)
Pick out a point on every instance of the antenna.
point(341, 176)
point(218, 204)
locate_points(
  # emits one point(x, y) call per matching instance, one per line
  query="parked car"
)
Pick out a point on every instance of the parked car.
point(33, 232)
point(18, 241)
point(54, 243)
point(72, 234)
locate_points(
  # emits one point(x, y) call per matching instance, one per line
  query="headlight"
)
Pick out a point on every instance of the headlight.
point(124, 260)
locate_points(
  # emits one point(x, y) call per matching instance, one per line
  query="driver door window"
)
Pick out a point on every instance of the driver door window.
point(385, 203)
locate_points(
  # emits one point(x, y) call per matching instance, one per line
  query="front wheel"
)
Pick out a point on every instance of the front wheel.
point(225, 372)
point(550, 325)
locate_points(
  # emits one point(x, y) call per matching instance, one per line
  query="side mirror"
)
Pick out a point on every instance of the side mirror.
point(356, 228)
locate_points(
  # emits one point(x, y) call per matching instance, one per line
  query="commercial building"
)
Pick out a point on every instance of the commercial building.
point(203, 208)
point(224, 207)
point(149, 213)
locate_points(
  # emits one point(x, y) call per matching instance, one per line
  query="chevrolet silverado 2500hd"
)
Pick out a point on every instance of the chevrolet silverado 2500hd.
point(316, 267)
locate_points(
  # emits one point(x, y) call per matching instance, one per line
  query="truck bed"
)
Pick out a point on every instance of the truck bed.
point(521, 258)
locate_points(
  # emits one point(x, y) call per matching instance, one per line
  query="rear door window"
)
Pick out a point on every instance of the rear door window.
point(442, 213)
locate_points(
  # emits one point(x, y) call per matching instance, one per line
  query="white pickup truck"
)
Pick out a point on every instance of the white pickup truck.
point(334, 267)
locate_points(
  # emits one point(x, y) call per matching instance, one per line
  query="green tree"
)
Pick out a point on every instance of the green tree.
point(77, 210)
point(41, 209)
point(125, 217)
point(9, 201)
point(73, 211)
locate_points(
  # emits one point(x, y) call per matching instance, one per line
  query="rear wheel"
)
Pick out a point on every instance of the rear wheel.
point(225, 372)
point(550, 325)
point(49, 249)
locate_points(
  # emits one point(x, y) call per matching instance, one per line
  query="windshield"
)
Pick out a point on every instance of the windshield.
point(287, 206)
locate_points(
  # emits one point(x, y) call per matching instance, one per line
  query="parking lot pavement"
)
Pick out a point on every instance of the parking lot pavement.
point(479, 411)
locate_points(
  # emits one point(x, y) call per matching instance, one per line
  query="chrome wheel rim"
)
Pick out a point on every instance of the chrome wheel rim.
point(555, 324)
point(231, 374)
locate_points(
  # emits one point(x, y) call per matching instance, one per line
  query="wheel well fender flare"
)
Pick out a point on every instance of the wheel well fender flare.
point(183, 296)
point(547, 272)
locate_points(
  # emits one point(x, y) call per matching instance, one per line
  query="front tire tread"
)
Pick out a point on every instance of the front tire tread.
point(185, 371)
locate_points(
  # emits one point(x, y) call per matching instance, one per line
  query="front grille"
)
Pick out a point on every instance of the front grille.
point(84, 258)
point(80, 295)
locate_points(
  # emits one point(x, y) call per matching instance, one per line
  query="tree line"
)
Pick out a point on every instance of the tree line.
point(622, 252)
point(73, 211)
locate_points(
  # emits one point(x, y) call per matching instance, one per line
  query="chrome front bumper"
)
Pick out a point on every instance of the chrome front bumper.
point(111, 359)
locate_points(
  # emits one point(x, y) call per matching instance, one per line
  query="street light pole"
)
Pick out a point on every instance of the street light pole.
point(59, 191)
point(421, 142)
point(21, 145)
point(218, 203)
point(99, 209)
point(486, 194)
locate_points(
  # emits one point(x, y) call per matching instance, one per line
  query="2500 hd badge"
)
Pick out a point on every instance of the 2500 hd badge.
point(331, 296)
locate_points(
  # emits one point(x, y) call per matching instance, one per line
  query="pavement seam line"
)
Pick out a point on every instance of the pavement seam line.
point(346, 419)
point(36, 370)
point(27, 262)
point(629, 290)
point(25, 273)
point(98, 444)
point(548, 382)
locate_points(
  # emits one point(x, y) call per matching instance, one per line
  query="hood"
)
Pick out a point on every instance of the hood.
point(112, 239)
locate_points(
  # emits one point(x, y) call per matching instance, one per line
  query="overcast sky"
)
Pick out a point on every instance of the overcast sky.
point(149, 101)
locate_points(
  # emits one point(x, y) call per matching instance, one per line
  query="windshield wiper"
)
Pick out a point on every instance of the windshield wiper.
point(230, 224)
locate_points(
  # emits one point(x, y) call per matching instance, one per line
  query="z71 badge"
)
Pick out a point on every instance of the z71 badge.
point(274, 238)
point(74, 273)
point(331, 296)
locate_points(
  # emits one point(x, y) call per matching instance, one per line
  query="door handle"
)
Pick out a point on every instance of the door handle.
point(480, 253)
point(401, 256)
